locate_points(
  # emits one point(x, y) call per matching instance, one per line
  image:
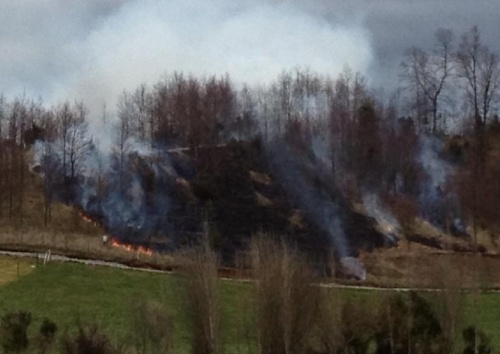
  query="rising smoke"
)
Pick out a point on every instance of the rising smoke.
point(93, 50)
point(437, 205)
point(389, 224)
point(296, 173)
point(128, 192)
point(309, 180)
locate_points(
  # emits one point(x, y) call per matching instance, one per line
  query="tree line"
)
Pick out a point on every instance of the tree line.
point(371, 142)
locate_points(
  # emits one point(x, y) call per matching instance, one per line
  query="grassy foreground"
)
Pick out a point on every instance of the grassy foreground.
point(67, 293)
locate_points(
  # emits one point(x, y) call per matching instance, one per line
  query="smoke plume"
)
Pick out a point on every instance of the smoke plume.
point(93, 50)
point(440, 207)
point(385, 219)
point(296, 174)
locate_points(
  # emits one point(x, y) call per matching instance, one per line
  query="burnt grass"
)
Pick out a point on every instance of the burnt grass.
point(226, 196)
point(215, 189)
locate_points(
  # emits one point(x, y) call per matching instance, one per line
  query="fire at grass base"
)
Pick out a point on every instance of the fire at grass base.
point(114, 242)
point(325, 207)
point(180, 153)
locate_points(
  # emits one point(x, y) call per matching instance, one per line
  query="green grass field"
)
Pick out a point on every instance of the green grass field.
point(67, 293)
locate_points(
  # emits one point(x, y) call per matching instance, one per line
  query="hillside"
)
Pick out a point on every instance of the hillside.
point(235, 191)
point(232, 187)
point(335, 180)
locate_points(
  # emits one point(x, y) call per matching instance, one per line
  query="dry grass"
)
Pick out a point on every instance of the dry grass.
point(81, 246)
point(13, 268)
point(296, 219)
point(260, 178)
point(426, 267)
point(489, 239)
point(417, 265)
point(64, 218)
point(67, 233)
point(262, 201)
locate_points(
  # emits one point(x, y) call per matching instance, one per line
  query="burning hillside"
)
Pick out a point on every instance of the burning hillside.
point(164, 197)
point(300, 163)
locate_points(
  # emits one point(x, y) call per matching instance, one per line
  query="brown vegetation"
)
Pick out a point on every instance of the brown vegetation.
point(203, 300)
point(286, 302)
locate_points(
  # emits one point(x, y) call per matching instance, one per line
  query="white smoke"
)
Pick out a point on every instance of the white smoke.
point(435, 199)
point(384, 217)
point(352, 266)
point(434, 166)
point(93, 50)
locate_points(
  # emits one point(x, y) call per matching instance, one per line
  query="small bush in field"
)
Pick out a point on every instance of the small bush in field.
point(476, 341)
point(152, 327)
point(13, 331)
point(46, 335)
point(88, 340)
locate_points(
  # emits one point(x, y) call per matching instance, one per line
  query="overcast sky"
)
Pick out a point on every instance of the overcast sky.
point(93, 49)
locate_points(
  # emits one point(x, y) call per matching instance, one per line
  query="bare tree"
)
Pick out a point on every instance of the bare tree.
point(480, 70)
point(348, 95)
point(366, 157)
point(428, 73)
point(245, 125)
point(49, 166)
point(203, 299)
point(162, 110)
point(78, 147)
point(15, 161)
point(71, 145)
point(194, 115)
point(286, 300)
point(142, 101)
point(68, 118)
point(263, 104)
point(3, 190)
point(125, 117)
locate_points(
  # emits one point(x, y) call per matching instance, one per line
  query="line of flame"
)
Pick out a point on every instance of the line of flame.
point(88, 219)
point(117, 244)
point(130, 248)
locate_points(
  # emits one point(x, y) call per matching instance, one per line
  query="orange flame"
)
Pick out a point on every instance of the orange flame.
point(87, 218)
point(129, 248)
point(115, 243)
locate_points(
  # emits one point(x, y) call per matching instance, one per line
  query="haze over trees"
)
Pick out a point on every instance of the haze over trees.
point(348, 142)
point(292, 180)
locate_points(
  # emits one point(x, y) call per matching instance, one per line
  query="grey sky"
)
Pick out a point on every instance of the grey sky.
point(93, 49)
point(398, 24)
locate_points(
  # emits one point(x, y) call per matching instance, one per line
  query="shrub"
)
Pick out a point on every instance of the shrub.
point(13, 331)
point(46, 335)
point(409, 326)
point(476, 341)
point(87, 340)
point(152, 327)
